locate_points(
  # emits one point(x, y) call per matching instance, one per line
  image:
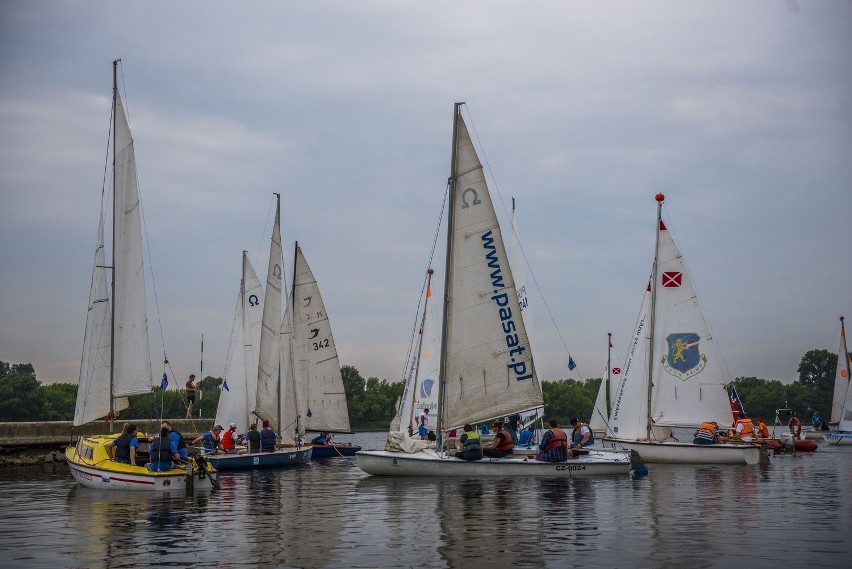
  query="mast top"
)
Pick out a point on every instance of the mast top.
point(430, 271)
point(660, 197)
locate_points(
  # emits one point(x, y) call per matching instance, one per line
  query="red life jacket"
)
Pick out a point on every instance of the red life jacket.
point(507, 443)
point(558, 440)
point(228, 439)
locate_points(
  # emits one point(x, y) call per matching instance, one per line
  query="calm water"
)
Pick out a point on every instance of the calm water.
point(796, 510)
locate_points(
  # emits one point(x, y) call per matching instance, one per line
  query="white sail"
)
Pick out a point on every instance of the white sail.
point(598, 420)
point(319, 386)
point(489, 367)
point(239, 387)
point(290, 413)
point(421, 386)
point(268, 381)
point(628, 418)
point(132, 359)
point(93, 391)
point(842, 402)
point(689, 378)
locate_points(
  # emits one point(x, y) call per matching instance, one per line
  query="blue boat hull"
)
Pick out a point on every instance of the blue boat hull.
point(254, 461)
point(328, 451)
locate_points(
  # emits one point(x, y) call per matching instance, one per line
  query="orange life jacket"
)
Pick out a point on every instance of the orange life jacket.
point(558, 440)
point(708, 427)
point(763, 430)
point(228, 439)
point(507, 443)
point(748, 428)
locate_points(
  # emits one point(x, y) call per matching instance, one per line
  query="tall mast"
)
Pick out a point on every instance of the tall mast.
point(293, 372)
point(283, 281)
point(445, 324)
point(243, 315)
point(660, 198)
point(112, 281)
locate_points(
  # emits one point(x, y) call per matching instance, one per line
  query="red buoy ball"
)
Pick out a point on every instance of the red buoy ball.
point(659, 197)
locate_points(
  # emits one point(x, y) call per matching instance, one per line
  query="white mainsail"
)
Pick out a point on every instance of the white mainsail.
point(132, 359)
point(841, 405)
point(267, 402)
point(93, 393)
point(239, 387)
point(321, 399)
point(488, 368)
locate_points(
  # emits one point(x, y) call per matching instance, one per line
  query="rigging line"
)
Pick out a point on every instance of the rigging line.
point(425, 280)
point(520, 245)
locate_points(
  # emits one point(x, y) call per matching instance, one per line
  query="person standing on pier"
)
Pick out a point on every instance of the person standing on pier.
point(190, 395)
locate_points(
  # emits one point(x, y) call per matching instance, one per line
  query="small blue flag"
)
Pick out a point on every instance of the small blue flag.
point(309, 414)
point(225, 385)
point(571, 364)
point(164, 383)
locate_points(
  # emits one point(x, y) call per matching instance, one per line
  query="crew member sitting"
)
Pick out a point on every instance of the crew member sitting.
point(554, 445)
point(762, 429)
point(252, 439)
point(470, 447)
point(162, 450)
point(125, 446)
point(744, 430)
point(502, 444)
point(230, 439)
point(321, 439)
point(267, 438)
point(526, 436)
point(582, 435)
point(211, 440)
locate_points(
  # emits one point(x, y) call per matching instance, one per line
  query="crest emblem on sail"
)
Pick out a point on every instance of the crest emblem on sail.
point(683, 359)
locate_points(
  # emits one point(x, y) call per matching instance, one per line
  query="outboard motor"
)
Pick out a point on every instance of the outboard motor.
point(788, 442)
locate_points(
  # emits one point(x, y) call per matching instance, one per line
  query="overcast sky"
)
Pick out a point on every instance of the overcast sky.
point(740, 112)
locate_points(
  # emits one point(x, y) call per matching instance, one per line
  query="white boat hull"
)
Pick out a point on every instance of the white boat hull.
point(838, 438)
point(670, 452)
point(430, 463)
point(92, 477)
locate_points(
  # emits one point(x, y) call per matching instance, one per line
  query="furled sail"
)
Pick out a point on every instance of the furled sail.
point(489, 369)
point(421, 385)
point(842, 401)
point(321, 398)
point(132, 364)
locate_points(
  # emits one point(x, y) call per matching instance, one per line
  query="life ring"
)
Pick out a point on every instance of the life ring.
point(795, 426)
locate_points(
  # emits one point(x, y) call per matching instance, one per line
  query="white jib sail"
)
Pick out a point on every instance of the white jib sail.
point(598, 420)
point(841, 380)
point(132, 363)
point(490, 371)
point(268, 387)
point(93, 389)
point(628, 416)
point(322, 399)
point(239, 387)
point(689, 376)
point(426, 387)
point(289, 410)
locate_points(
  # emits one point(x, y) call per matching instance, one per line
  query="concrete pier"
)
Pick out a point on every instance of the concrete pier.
point(60, 433)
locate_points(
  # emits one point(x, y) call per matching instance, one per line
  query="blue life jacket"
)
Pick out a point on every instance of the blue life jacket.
point(160, 450)
point(122, 445)
point(267, 439)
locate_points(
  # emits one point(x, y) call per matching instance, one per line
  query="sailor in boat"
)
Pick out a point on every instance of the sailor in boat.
point(267, 438)
point(514, 421)
point(707, 434)
point(762, 429)
point(211, 441)
point(581, 435)
point(162, 450)
point(321, 439)
point(527, 436)
point(178, 439)
point(816, 420)
point(469, 445)
point(423, 424)
point(502, 444)
point(231, 439)
point(252, 439)
point(554, 445)
point(744, 430)
point(125, 446)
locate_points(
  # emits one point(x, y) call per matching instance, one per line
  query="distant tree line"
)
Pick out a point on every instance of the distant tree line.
point(372, 402)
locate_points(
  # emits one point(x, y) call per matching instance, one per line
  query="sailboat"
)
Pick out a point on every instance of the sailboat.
point(486, 369)
point(673, 375)
point(841, 404)
point(116, 360)
point(312, 364)
point(600, 412)
point(252, 388)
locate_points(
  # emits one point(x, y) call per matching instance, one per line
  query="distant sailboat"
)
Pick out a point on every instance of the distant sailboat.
point(487, 370)
point(673, 375)
point(116, 359)
point(841, 404)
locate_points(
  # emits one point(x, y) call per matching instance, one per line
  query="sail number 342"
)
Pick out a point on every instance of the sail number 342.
point(320, 344)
